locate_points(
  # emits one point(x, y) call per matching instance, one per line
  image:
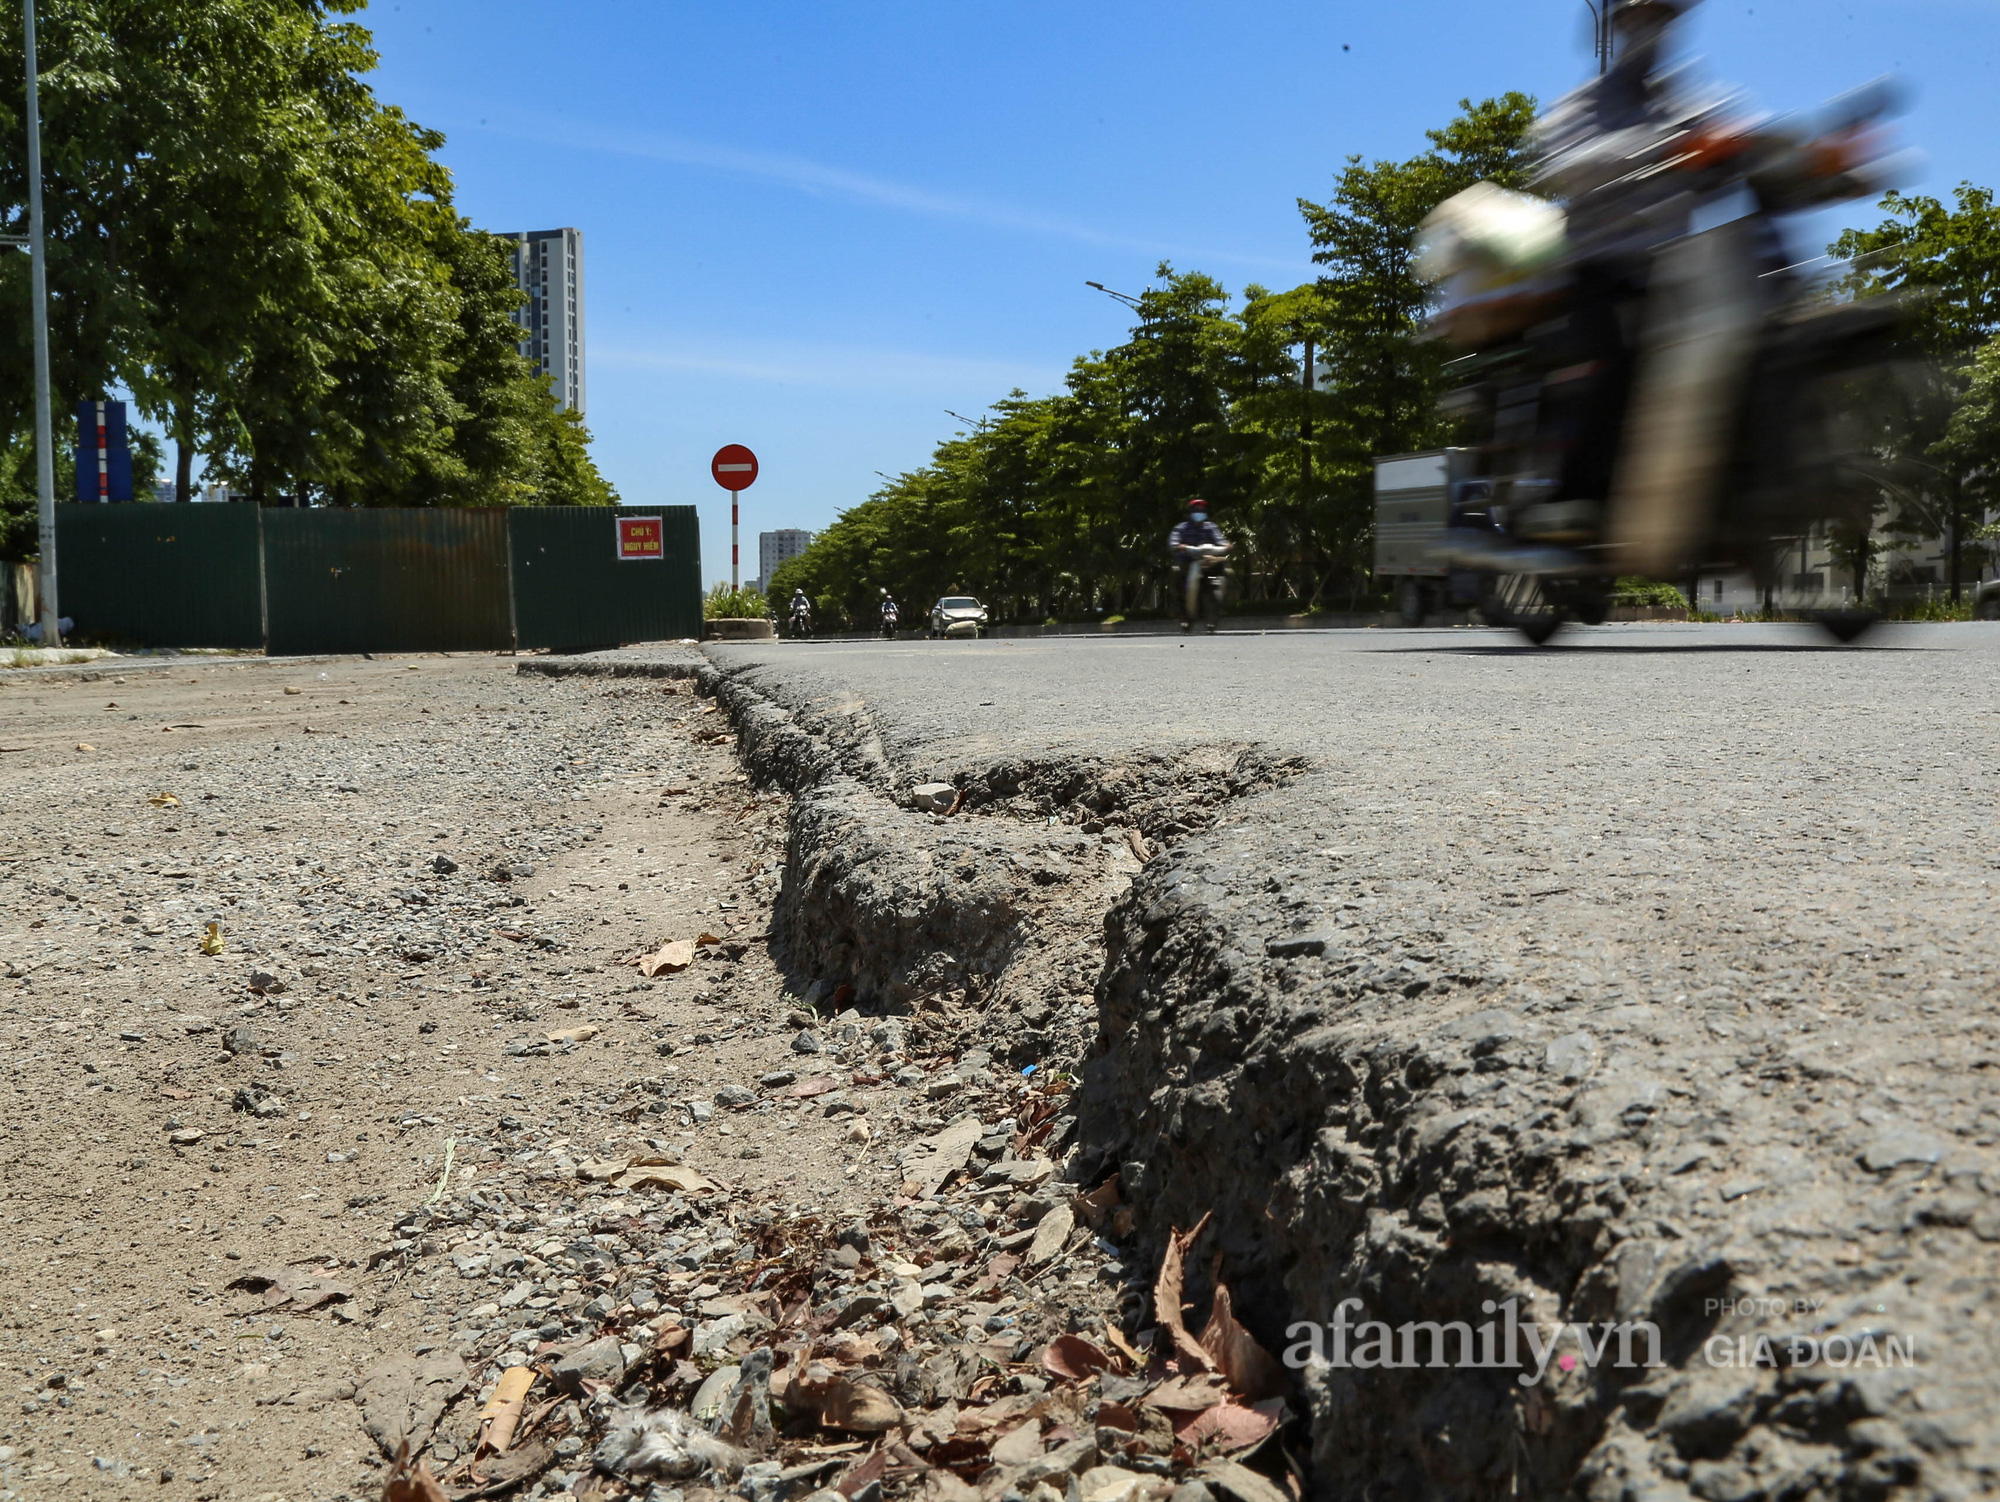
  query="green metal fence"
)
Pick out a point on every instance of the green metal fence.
point(374, 580)
point(162, 576)
point(573, 590)
point(386, 580)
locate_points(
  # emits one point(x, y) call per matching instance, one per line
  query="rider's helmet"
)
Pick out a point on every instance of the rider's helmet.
point(1197, 509)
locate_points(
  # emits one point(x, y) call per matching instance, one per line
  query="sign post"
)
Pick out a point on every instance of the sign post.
point(735, 470)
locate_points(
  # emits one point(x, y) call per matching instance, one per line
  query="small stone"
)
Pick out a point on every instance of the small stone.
point(807, 1042)
point(943, 1085)
point(734, 1095)
point(444, 865)
point(1899, 1145)
point(239, 1040)
point(933, 797)
point(1571, 1057)
point(777, 1079)
point(702, 1111)
point(600, 1361)
point(1291, 946)
point(185, 1137)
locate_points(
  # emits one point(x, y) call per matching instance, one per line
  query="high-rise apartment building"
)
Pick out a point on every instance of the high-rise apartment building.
point(773, 548)
point(548, 266)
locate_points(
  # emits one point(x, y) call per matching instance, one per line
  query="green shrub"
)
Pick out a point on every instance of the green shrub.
point(1636, 591)
point(734, 604)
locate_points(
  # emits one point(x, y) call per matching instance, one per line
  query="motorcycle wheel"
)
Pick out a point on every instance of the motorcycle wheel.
point(1520, 602)
point(1593, 607)
point(1211, 607)
point(1846, 626)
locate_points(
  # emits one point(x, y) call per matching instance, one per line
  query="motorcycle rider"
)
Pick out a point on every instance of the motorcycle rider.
point(801, 613)
point(1599, 149)
point(890, 614)
point(1196, 532)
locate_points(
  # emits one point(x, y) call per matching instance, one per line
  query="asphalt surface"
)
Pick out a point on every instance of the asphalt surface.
point(1685, 932)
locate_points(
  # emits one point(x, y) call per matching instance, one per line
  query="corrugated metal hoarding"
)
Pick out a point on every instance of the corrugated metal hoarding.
point(298, 582)
point(575, 586)
point(386, 580)
point(142, 575)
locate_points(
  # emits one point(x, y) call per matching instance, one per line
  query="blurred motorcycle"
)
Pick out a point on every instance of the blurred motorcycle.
point(1747, 408)
point(1202, 586)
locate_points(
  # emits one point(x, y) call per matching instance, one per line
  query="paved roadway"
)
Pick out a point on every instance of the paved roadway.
point(1735, 879)
point(1730, 769)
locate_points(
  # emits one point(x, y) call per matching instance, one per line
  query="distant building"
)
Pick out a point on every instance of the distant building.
point(773, 548)
point(548, 266)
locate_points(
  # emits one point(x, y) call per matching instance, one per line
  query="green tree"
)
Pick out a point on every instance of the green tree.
point(1384, 376)
point(1946, 263)
point(267, 257)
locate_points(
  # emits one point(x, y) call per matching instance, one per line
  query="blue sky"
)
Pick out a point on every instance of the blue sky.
point(814, 228)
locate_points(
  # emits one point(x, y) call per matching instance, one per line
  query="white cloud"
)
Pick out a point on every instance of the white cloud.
point(834, 366)
point(816, 178)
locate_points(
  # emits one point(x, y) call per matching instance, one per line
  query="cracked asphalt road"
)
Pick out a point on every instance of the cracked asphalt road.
point(1657, 963)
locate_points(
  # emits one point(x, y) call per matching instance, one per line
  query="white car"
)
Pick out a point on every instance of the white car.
point(958, 615)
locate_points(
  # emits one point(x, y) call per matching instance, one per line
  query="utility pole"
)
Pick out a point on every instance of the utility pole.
point(45, 459)
point(1306, 425)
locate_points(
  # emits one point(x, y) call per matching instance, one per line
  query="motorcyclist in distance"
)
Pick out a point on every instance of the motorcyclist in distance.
point(1196, 532)
point(890, 614)
point(801, 612)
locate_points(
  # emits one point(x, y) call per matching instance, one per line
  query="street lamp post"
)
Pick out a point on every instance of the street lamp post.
point(1600, 32)
point(45, 467)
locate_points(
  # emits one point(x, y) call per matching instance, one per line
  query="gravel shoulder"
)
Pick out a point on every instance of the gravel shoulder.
point(399, 1097)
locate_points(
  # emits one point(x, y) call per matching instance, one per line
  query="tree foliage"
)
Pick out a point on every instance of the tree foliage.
point(267, 257)
point(1946, 263)
point(1060, 505)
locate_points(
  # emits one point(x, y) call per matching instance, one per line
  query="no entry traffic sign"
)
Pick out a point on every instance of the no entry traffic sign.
point(734, 467)
point(735, 470)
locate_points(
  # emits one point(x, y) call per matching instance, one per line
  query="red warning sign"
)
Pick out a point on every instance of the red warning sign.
point(640, 537)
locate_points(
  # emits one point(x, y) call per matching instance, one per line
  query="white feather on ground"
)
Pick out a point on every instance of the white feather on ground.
point(664, 1442)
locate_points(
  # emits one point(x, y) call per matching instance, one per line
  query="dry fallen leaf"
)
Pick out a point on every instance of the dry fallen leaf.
point(1167, 1291)
point(164, 800)
point(293, 1286)
point(497, 1420)
point(842, 1402)
point(574, 1034)
point(670, 1176)
point(1092, 1208)
point(1252, 1371)
point(671, 958)
point(1231, 1426)
point(1075, 1358)
point(85, 746)
point(409, 1483)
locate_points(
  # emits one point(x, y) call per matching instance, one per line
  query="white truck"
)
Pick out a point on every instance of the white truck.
point(1417, 497)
